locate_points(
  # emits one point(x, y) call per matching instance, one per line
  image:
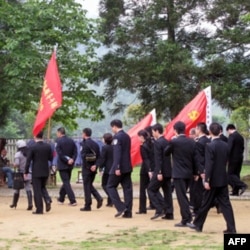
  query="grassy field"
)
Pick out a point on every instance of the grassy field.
point(127, 239)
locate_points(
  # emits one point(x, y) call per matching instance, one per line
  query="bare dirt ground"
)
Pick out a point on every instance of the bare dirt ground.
point(65, 223)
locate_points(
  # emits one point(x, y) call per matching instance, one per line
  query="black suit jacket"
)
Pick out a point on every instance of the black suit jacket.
point(106, 158)
point(40, 153)
point(236, 147)
point(122, 158)
point(89, 145)
point(216, 156)
point(223, 138)
point(162, 161)
point(65, 148)
point(147, 155)
point(200, 153)
point(182, 149)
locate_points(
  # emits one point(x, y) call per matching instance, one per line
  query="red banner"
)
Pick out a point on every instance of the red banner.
point(198, 110)
point(51, 97)
point(148, 120)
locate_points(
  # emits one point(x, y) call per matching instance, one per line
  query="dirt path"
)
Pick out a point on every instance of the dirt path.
point(68, 223)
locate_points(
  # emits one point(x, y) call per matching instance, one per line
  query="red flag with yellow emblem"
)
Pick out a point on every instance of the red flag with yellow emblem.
point(51, 97)
point(198, 110)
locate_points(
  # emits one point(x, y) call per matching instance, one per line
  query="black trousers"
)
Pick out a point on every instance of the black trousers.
point(144, 182)
point(181, 186)
point(89, 189)
point(105, 178)
point(196, 192)
point(66, 188)
point(127, 187)
point(234, 169)
point(39, 189)
point(161, 203)
point(221, 194)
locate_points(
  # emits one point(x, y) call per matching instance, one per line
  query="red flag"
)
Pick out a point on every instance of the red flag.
point(198, 110)
point(51, 97)
point(148, 120)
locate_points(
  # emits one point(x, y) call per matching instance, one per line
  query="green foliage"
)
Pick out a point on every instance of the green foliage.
point(241, 118)
point(29, 30)
point(167, 51)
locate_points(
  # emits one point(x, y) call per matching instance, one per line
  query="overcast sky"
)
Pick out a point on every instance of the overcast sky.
point(91, 6)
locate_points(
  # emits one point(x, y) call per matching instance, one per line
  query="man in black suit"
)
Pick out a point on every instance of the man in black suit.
point(215, 182)
point(222, 136)
point(182, 149)
point(236, 150)
point(105, 163)
point(90, 154)
point(161, 177)
point(40, 153)
point(67, 152)
point(120, 172)
point(201, 142)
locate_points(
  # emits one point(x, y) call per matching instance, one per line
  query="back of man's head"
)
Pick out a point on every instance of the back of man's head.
point(61, 130)
point(180, 127)
point(87, 132)
point(116, 123)
point(230, 127)
point(39, 135)
point(158, 127)
point(215, 128)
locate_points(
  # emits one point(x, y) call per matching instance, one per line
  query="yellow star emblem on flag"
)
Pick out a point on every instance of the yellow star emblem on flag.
point(193, 115)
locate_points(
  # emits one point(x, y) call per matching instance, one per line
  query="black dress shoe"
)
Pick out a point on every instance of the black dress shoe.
point(99, 203)
point(150, 208)
point(109, 205)
point(48, 207)
point(139, 212)
point(119, 213)
point(192, 226)
point(243, 190)
point(180, 224)
point(85, 209)
point(37, 212)
point(168, 217)
point(234, 194)
point(157, 215)
point(229, 232)
point(127, 216)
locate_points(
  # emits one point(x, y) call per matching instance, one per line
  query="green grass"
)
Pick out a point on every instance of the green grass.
point(128, 239)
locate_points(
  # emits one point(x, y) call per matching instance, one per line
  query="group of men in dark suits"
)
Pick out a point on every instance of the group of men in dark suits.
point(201, 161)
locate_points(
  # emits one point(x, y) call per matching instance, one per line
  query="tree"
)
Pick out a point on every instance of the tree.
point(29, 31)
point(241, 118)
point(162, 51)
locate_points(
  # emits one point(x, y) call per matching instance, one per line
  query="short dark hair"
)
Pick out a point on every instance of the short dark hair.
point(203, 127)
point(230, 126)
point(39, 135)
point(61, 130)
point(116, 122)
point(158, 127)
point(214, 128)
point(108, 138)
point(221, 128)
point(87, 131)
point(180, 127)
point(149, 130)
point(144, 134)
